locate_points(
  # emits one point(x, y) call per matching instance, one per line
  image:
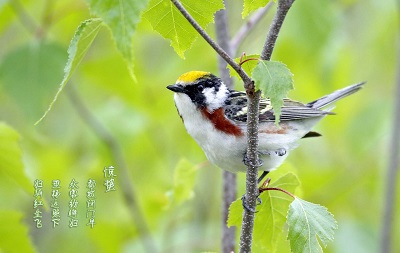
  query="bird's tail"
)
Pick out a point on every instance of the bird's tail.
point(335, 96)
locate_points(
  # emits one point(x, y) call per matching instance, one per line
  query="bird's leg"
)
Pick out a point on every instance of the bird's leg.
point(263, 175)
point(259, 164)
point(247, 162)
point(280, 152)
point(259, 202)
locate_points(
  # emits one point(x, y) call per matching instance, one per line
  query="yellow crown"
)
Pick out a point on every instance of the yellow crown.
point(192, 76)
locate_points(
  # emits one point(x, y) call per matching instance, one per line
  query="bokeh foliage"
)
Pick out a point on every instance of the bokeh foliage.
point(325, 44)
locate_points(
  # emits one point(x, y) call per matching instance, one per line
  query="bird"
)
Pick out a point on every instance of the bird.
point(216, 118)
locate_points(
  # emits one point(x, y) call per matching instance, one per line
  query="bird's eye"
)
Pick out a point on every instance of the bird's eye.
point(200, 87)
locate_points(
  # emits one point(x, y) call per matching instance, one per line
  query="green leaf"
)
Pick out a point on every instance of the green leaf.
point(165, 18)
point(252, 5)
point(11, 166)
point(306, 222)
point(14, 236)
point(271, 217)
point(184, 180)
point(235, 214)
point(80, 44)
point(41, 65)
point(272, 211)
point(122, 18)
point(247, 66)
point(275, 80)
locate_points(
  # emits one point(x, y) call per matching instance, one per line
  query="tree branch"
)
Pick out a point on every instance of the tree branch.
point(252, 131)
point(392, 171)
point(246, 235)
point(246, 28)
point(228, 179)
point(253, 98)
point(128, 190)
point(246, 79)
point(282, 10)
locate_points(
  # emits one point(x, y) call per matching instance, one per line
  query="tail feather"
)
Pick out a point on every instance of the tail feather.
point(335, 96)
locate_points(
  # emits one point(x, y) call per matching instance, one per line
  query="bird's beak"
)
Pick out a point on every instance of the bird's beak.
point(176, 88)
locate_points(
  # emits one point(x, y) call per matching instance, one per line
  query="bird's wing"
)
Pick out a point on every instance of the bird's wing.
point(236, 109)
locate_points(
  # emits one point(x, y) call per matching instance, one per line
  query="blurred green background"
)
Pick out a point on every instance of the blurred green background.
point(326, 44)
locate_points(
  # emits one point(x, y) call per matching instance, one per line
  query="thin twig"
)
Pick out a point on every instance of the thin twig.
point(392, 171)
point(128, 190)
point(246, 79)
point(246, 234)
point(246, 28)
point(283, 8)
point(277, 189)
point(228, 179)
point(253, 99)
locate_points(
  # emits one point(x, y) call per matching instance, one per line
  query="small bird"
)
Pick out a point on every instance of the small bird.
point(216, 116)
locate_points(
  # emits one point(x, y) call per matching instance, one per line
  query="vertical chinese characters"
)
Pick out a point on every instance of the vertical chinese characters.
point(91, 202)
point(38, 202)
point(109, 178)
point(55, 208)
point(73, 204)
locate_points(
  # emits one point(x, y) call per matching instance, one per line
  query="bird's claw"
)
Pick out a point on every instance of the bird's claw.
point(245, 206)
point(247, 162)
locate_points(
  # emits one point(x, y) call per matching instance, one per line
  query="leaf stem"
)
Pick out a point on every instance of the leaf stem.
point(277, 189)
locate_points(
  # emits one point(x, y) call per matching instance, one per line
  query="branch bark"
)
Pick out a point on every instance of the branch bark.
point(253, 98)
point(115, 149)
point(282, 10)
point(246, 79)
point(228, 178)
point(392, 170)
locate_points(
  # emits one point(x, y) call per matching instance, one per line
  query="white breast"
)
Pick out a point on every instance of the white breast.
point(227, 151)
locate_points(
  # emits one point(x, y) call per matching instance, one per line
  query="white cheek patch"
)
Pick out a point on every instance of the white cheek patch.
point(216, 100)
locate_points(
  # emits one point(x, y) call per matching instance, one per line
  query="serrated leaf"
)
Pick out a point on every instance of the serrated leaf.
point(275, 80)
point(184, 180)
point(252, 5)
point(271, 217)
point(14, 235)
point(271, 201)
point(165, 18)
point(248, 66)
point(122, 18)
point(308, 225)
point(80, 44)
point(235, 213)
point(11, 166)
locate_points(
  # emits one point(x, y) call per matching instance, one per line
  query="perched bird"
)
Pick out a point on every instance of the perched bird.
point(216, 116)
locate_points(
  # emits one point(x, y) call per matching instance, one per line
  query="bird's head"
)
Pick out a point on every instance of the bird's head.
point(204, 89)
